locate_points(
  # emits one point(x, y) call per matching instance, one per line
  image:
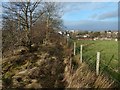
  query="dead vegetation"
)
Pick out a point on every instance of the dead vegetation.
point(43, 60)
point(83, 77)
point(39, 69)
point(49, 68)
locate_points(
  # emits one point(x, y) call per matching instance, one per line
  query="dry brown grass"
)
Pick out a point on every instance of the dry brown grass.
point(83, 77)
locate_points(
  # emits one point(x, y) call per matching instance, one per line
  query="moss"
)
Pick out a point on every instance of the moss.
point(8, 74)
point(7, 79)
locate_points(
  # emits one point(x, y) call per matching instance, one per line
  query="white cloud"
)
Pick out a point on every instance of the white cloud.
point(93, 25)
point(108, 15)
point(75, 6)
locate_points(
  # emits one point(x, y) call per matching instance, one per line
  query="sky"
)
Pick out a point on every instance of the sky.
point(91, 15)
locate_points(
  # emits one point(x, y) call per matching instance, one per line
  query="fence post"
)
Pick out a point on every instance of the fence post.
point(74, 48)
point(70, 65)
point(97, 63)
point(81, 46)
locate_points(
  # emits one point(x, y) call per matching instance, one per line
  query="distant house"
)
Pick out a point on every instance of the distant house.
point(109, 34)
point(96, 38)
point(86, 35)
point(60, 32)
point(102, 35)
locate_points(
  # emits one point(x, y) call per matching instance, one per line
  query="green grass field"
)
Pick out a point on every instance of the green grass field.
point(108, 54)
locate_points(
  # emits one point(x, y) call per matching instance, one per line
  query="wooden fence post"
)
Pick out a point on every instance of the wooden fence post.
point(81, 47)
point(97, 63)
point(74, 48)
point(70, 65)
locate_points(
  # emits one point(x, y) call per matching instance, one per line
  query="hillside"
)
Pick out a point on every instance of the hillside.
point(37, 51)
point(49, 66)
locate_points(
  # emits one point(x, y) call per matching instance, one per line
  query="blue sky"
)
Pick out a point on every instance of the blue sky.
point(91, 15)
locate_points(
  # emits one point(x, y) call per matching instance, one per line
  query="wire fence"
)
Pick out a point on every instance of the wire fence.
point(89, 56)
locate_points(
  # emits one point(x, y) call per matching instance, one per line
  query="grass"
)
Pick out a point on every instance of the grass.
point(108, 56)
point(84, 77)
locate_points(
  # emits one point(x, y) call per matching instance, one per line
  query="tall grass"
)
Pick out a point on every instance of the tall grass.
point(108, 58)
point(83, 77)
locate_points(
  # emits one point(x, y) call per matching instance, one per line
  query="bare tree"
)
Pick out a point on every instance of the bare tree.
point(25, 14)
point(52, 17)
